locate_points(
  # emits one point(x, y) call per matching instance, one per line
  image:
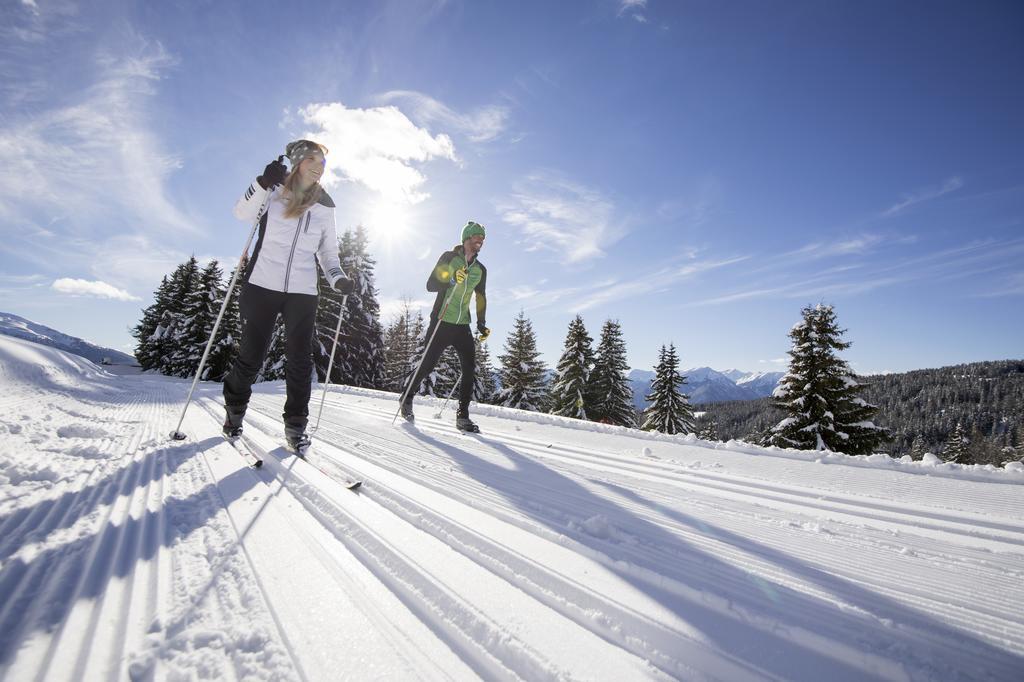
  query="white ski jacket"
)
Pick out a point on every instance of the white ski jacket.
point(283, 259)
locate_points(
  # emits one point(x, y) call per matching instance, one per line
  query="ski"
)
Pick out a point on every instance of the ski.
point(303, 454)
point(247, 454)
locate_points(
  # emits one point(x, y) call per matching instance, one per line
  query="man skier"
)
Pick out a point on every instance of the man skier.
point(457, 275)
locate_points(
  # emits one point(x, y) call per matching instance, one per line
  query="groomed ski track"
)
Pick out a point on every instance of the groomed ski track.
point(533, 551)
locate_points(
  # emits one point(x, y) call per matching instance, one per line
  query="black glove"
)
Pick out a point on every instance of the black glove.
point(484, 331)
point(273, 174)
point(344, 285)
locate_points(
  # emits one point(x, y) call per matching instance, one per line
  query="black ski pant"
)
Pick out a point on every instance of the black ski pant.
point(449, 334)
point(258, 309)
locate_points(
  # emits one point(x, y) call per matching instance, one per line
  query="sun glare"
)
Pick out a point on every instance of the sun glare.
point(388, 223)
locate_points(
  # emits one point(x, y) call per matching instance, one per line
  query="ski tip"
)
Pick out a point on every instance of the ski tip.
point(353, 485)
point(257, 464)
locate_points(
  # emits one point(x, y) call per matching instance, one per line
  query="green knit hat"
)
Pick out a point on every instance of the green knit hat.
point(471, 229)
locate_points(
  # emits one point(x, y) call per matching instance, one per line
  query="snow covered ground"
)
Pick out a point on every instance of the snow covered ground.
point(544, 549)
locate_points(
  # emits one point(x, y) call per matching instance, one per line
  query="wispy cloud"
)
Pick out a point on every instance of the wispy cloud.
point(376, 147)
point(777, 279)
point(480, 125)
point(1011, 285)
point(693, 209)
point(95, 289)
point(650, 281)
point(57, 158)
point(84, 162)
point(23, 280)
point(923, 195)
point(633, 9)
point(655, 279)
point(554, 214)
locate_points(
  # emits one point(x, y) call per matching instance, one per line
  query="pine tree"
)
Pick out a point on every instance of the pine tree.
point(400, 339)
point(164, 337)
point(669, 410)
point(918, 448)
point(229, 334)
point(274, 364)
point(448, 373)
point(707, 428)
point(328, 311)
point(612, 395)
point(523, 381)
point(484, 387)
point(955, 450)
point(146, 348)
point(819, 393)
point(428, 386)
point(570, 387)
point(361, 356)
point(195, 326)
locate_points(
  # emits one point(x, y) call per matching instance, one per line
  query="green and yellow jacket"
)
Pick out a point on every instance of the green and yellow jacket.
point(440, 280)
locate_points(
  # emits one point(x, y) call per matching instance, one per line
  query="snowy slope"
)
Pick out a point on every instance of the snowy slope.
point(761, 383)
point(19, 327)
point(545, 549)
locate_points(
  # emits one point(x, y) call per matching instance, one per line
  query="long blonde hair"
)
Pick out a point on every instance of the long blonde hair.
point(295, 200)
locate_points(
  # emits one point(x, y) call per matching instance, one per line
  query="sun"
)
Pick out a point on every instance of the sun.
point(387, 222)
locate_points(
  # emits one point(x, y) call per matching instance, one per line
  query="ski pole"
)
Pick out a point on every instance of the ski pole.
point(176, 434)
point(452, 392)
point(426, 348)
point(330, 364)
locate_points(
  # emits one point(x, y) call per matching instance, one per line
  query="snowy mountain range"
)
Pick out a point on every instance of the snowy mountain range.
point(706, 385)
point(19, 327)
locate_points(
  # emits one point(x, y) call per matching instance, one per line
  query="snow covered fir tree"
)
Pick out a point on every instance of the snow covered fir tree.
point(669, 410)
point(229, 335)
point(485, 385)
point(610, 394)
point(361, 356)
point(955, 450)
point(820, 393)
point(401, 338)
point(523, 374)
point(433, 383)
point(195, 322)
point(570, 388)
point(158, 333)
point(273, 367)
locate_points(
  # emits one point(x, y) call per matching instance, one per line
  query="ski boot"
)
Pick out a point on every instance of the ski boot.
point(295, 436)
point(464, 423)
point(298, 443)
point(406, 411)
point(232, 428)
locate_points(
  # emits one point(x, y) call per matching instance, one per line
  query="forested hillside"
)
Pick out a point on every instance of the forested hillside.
point(985, 398)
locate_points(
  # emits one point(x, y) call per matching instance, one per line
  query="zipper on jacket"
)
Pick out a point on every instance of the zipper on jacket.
point(295, 241)
point(465, 292)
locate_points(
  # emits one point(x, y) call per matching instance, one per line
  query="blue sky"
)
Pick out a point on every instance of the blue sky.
point(699, 171)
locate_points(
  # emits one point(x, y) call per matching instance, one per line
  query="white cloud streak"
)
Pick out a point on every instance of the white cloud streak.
point(921, 196)
point(552, 214)
point(480, 125)
point(94, 158)
point(375, 148)
point(631, 6)
point(978, 258)
point(95, 289)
